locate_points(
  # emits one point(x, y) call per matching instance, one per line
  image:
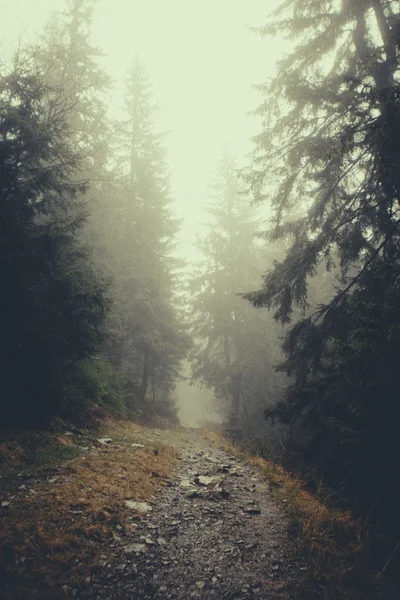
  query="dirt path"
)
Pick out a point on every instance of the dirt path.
point(214, 532)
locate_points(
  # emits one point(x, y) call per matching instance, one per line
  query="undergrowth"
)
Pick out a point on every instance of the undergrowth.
point(31, 452)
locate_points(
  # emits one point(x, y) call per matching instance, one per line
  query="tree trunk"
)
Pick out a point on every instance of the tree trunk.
point(235, 406)
point(145, 377)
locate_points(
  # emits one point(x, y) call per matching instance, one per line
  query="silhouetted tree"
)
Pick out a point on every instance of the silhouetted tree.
point(51, 304)
point(329, 149)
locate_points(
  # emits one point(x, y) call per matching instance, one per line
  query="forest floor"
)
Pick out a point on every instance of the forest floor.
point(147, 514)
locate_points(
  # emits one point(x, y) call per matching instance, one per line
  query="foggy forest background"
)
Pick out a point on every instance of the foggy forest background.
point(291, 311)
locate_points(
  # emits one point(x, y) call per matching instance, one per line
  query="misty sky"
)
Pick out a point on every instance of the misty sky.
point(202, 61)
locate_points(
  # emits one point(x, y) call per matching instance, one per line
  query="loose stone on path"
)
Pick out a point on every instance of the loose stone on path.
point(208, 537)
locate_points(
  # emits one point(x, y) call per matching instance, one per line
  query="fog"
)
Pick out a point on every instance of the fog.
point(197, 406)
point(202, 61)
point(199, 224)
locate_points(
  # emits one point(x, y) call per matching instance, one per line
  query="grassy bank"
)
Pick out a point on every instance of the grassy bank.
point(333, 542)
point(61, 514)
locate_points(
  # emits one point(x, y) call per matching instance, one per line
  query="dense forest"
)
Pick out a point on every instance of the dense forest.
point(89, 311)
point(291, 315)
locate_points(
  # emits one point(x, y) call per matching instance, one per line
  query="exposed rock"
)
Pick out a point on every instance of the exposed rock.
point(209, 547)
point(149, 541)
point(186, 484)
point(137, 445)
point(135, 548)
point(141, 507)
point(103, 441)
point(201, 585)
point(206, 480)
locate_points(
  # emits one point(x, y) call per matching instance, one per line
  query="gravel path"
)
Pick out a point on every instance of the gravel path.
point(215, 532)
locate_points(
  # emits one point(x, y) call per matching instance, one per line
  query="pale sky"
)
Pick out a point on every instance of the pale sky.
point(202, 62)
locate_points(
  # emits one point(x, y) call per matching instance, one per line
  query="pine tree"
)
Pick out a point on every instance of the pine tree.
point(71, 64)
point(52, 306)
point(233, 354)
point(329, 151)
point(147, 341)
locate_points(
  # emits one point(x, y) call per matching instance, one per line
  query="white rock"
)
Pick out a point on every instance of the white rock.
point(149, 541)
point(205, 480)
point(141, 507)
point(137, 445)
point(186, 484)
point(135, 548)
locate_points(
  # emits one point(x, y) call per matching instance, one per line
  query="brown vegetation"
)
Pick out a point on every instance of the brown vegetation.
point(58, 533)
point(332, 541)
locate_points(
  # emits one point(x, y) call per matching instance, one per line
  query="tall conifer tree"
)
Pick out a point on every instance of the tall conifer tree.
point(149, 341)
point(51, 304)
point(329, 149)
point(233, 354)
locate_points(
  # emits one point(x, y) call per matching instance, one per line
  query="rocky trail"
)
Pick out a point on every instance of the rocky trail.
point(215, 532)
point(121, 522)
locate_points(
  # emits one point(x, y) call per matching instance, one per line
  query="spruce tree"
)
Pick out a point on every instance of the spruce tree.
point(70, 63)
point(232, 354)
point(147, 337)
point(52, 306)
point(329, 152)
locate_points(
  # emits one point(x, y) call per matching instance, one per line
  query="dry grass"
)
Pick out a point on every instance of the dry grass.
point(332, 541)
point(58, 534)
point(10, 452)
